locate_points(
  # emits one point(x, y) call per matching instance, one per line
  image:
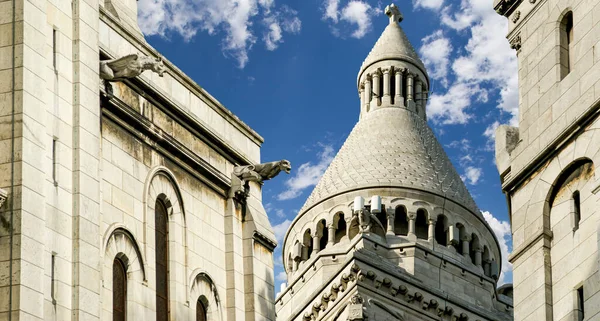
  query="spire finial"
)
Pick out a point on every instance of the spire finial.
point(394, 13)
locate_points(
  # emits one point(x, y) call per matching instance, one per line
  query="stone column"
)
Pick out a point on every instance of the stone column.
point(410, 102)
point(431, 231)
point(390, 223)
point(487, 267)
point(465, 246)
point(316, 244)
point(399, 99)
point(376, 91)
point(478, 251)
point(418, 97)
point(331, 230)
point(361, 94)
point(412, 219)
point(387, 99)
point(367, 93)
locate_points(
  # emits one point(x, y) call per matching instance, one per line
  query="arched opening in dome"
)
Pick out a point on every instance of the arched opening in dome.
point(308, 246)
point(461, 236)
point(474, 248)
point(487, 261)
point(400, 221)
point(421, 227)
point(566, 44)
point(340, 230)
point(290, 263)
point(323, 234)
point(392, 85)
point(441, 226)
point(382, 217)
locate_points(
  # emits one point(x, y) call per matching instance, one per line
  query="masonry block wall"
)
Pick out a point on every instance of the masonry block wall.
point(548, 164)
point(86, 172)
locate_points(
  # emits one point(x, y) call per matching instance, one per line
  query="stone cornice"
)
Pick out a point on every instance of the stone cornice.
point(180, 76)
point(567, 135)
point(506, 7)
point(545, 235)
point(264, 241)
point(144, 130)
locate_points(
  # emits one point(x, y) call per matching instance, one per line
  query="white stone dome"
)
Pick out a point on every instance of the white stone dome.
point(392, 147)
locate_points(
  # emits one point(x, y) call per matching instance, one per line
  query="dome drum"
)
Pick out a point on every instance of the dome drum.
point(405, 218)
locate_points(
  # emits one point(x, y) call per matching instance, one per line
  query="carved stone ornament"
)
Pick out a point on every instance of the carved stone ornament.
point(259, 173)
point(128, 67)
point(532, 1)
point(356, 309)
point(3, 195)
point(515, 43)
point(516, 16)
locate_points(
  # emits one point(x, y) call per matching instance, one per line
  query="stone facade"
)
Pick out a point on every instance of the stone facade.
point(86, 170)
point(547, 163)
point(390, 232)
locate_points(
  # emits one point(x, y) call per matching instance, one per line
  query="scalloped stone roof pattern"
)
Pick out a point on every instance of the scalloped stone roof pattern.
point(392, 147)
point(394, 45)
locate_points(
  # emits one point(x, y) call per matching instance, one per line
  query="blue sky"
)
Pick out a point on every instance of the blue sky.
point(288, 69)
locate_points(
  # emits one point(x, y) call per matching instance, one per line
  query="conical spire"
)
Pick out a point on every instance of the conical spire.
point(392, 146)
point(393, 45)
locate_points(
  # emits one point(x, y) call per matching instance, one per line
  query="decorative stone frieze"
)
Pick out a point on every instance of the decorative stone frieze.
point(3, 196)
point(516, 16)
point(515, 43)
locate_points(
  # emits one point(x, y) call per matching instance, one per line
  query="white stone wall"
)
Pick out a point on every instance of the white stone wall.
point(551, 260)
point(91, 197)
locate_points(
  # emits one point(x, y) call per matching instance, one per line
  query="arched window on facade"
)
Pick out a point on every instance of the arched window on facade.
point(340, 230)
point(400, 221)
point(161, 239)
point(200, 310)
point(566, 44)
point(421, 227)
point(576, 210)
point(119, 290)
point(440, 230)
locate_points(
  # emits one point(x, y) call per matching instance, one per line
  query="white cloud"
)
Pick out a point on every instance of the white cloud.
point(490, 134)
point(472, 175)
point(503, 233)
point(234, 17)
point(435, 53)
point(486, 65)
point(428, 4)
point(308, 174)
point(281, 277)
point(355, 12)
point(280, 230)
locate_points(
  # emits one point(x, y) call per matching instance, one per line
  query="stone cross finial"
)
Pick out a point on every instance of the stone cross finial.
point(394, 13)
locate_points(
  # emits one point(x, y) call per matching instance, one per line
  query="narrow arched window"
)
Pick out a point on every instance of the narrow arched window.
point(324, 235)
point(441, 227)
point(341, 228)
point(162, 260)
point(200, 311)
point(400, 221)
point(119, 290)
point(566, 45)
point(576, 210)
point(421, 226)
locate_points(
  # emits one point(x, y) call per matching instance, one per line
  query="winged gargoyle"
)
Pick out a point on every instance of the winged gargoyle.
point(256, 173)
point(127, 67)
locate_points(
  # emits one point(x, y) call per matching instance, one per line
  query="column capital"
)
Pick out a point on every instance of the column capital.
point(386, 70)
point(431, 221)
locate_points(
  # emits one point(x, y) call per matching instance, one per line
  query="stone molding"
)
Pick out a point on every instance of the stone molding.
point(178, 75)
point(143, 129)
point(3, 196)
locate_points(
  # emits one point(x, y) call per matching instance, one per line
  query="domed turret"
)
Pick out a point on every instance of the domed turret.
point(390, 211)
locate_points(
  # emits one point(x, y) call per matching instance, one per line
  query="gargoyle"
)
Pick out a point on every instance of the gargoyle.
point(256, 173)
point(127, 67)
